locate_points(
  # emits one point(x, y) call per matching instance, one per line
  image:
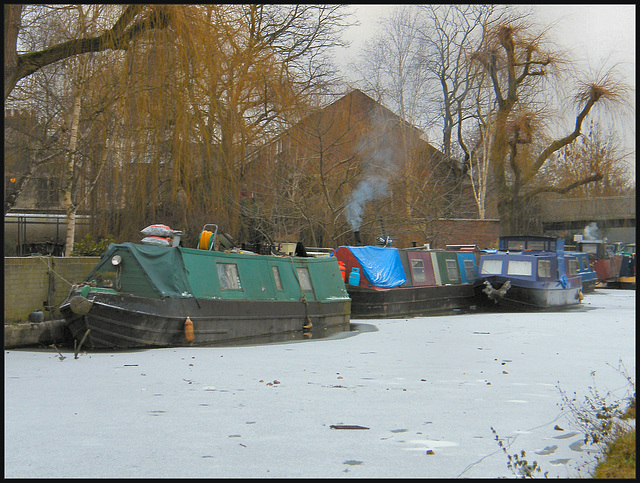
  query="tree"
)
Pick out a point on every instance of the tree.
point(518, 62)
point(350, 166)
point(30, 143)
point(45, 32)
point(193, 86)
point(595, 151)
point(419, 63)
point(303, 178)
point(130, 25)
point(447, 33)
point(390, 66)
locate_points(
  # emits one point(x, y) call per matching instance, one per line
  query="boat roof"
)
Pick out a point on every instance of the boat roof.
point(176, 272)
point(530, 242)
point(575, 253)
point(464, 248)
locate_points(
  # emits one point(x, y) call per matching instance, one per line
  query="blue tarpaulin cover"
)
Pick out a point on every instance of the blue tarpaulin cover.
point(381, 266)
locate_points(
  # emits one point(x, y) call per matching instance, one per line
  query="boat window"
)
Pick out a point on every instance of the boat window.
point(417, 271)
point(304, 278)
point(572, 266)
point(469, 269)
point(544, 268)
point(491, 267)
point(515, 244)
point(536, 245)
point(276, 278)
point(228, 276)
point(452, 270)
point(519, 267)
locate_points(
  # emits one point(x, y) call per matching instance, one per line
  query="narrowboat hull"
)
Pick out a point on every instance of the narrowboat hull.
point(628, 283)
point(378, 302)
point(528, 298)
point(117, 321)
point(627, 276)
point(587, 273)
point(153, 296)
point(588, 286)
point(608, 270)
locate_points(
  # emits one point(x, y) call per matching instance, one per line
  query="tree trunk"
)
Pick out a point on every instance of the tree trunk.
point(12, 16)
point(67, 197)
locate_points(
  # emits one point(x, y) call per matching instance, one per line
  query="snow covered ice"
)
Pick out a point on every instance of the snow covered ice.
point(427, 390)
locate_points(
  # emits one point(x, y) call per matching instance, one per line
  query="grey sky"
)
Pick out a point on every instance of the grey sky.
point(598, 36)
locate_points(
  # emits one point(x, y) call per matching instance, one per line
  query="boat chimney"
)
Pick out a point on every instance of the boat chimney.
point(358, 240)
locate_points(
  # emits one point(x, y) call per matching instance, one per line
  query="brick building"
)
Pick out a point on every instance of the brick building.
point(355, 166)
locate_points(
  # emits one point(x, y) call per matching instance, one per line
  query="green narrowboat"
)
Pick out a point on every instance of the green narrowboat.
point(161, 296)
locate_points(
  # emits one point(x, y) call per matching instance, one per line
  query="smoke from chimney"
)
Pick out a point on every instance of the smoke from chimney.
point(378, 168)
point(368, 189)
point(590, 232)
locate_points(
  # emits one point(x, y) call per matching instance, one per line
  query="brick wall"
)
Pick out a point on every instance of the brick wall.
point(34, 282)
point(484, 233)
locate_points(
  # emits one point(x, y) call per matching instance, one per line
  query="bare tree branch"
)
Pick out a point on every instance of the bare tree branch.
point(560, 190)
point(19, 66)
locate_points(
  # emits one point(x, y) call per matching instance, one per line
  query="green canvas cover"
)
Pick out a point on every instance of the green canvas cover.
point(162, 267)
point(160, 272)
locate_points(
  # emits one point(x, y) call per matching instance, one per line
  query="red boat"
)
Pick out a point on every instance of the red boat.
point(602, 259)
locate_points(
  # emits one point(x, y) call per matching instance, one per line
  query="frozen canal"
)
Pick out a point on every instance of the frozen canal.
point(428, 390)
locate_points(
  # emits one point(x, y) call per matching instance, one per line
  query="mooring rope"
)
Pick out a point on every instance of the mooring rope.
point(41, 258)
point(72, 286)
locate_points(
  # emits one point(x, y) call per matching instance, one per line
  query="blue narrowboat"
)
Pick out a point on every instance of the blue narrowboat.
point(530, 273)
point(585, 270)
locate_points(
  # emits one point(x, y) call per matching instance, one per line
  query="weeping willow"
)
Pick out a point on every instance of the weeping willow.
point(196, 96)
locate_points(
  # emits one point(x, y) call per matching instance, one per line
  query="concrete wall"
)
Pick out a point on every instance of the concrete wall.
point(39, 282)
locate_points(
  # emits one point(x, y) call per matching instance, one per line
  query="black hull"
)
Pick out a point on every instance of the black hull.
point(121, 322)
point(397, 302)
point(624, 285)
point(589, 287)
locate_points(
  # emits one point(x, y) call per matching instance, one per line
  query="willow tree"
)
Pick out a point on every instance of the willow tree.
point(518, 62)
point(219, 80)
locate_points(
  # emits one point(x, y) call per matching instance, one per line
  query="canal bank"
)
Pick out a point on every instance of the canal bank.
point(28, 334)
